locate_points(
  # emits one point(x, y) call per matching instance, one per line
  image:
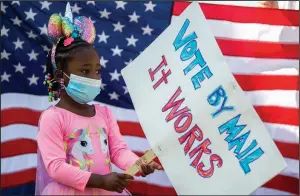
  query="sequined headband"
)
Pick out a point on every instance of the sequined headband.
point(69, 28)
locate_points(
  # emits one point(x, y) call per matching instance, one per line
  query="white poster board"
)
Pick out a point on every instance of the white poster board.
point(197, 119)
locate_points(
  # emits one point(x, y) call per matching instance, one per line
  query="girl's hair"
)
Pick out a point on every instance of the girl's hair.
point(63, 55)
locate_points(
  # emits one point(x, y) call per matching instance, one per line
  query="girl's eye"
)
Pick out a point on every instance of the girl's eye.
point(83, 143)
point(85, 71)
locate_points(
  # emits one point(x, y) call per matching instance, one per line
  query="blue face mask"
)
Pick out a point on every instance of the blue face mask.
point(83, 90)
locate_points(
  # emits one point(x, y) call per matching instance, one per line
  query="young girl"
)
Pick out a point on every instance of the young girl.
point(77, 142)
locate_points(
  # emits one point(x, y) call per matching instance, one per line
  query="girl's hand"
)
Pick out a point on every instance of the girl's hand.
point(115, 182)
point(147, 169)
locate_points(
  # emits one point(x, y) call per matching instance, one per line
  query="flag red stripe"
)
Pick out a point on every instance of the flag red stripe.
point(242, 48)
point(29, 146)
point(18, 178)
point(280, 115)
point(27, 176)
point(243, 14)
point(288, 150)
point(31, 117)
point(267, 82)
point(8, 149)
point(136, 187)
point(284, 183)
point(270, 114)
point(141, 188)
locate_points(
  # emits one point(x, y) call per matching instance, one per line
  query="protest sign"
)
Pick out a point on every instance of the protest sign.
point(195, 116)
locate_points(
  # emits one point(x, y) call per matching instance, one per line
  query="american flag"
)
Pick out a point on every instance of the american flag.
point(261, 46)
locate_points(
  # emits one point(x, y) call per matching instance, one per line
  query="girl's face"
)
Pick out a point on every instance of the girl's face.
point(85, 63)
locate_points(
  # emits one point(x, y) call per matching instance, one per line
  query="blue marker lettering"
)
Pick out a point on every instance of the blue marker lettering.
point(247, 150)
point(188, 50)
point(178, 42)
point(199, 60)
point(231, 128)
point(214, 100)
point(238, 142)
point(199, 77)
point(249, 159)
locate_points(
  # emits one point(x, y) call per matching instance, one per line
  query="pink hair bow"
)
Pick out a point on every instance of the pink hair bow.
point(70, 28)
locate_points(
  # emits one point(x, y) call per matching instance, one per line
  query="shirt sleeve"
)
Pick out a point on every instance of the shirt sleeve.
point(51, 145)
point(121, 156)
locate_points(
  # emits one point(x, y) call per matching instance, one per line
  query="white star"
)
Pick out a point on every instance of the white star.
point(90, 2)
point(116, 51)
point(4, 31)
point(104, 14)
point(114, 95)
point(16, 2)
point(149, 6)
point(16, 21)
point(18, 44)
point(31, 35)
point(127, 63)
point(92, 20)
point(44, 30)
point(33, 80)
point(103, 62)
point(30, 15)
point(131, 41)
point(118, 27)
point(102, 86)
point(44, 68)
point(3, 7)
point(5, 77)
point(125, 90)
point(103, 37)
point(120, 4)
point(115, 75)
point(32, 55)
point(134, 17)
point(19, 68)
point(147, 30)
point(5, 55)
point(75, 8)
point(45, 5)
point(45, 48)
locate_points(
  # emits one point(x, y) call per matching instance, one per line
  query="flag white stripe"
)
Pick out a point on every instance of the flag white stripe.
point(249, 65)
point(288, 5)
point(281, 98)
point(283, 133)
point(284, 98)
point(28, 161)
point(269, 191)
point(40, 103)
point(22, 131)
point(252, 31)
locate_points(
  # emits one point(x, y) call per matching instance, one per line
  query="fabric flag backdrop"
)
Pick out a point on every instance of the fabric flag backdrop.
point(259, 44)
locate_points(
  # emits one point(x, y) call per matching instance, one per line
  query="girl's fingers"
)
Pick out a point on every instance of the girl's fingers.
point(157, 166)
point(123, 183)
point(150, 169)
point(119, 188)
point(144, 169)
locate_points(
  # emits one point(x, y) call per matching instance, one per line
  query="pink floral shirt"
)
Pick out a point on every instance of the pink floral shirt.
point(72, 147)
